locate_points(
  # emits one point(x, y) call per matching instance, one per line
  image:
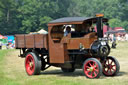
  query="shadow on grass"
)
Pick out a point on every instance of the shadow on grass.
point(122, 73)
point(60, 73)
point(76, 73)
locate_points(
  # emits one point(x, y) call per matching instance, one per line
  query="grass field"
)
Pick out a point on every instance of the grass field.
point(12, 71)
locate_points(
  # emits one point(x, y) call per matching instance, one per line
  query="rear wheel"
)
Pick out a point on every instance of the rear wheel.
point(32, 64)
point(66, 70)
point(92, 68)
point(111, 66)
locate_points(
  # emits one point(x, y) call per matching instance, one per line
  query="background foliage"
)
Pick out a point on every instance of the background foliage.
point(24, 16)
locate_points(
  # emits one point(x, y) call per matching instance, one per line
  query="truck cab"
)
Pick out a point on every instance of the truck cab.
point(78, 41)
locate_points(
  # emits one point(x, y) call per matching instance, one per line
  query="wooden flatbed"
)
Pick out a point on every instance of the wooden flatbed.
point(31, 41)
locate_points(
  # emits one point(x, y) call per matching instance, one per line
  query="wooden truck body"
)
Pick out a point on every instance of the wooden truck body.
point(76, 50)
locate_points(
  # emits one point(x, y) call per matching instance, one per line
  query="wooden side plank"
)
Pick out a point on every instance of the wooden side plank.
point(20, 41)
point(31, 41)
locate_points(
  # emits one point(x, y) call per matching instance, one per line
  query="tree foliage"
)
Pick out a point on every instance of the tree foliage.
point(24, 16)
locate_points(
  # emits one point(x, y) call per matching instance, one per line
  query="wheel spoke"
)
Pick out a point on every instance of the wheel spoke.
point(87, 67)
point(29, 68)
point(96, 70)
point(111, 62)
point(28, 62)
point(106, 65)
point(91, 73)
point(107, 70)
point(88, 71)
point(29, 59)
point(113, 65)
point(113, 69)
point(90, 64)
point(93, 64)
point(108, 61)
point(95, 73)
point(110, 71)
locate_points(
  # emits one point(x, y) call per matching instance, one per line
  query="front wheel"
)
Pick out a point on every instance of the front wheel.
point(111, 66)
point(92, 68)
point(32, 64)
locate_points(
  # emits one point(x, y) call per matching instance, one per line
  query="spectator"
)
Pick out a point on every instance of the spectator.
point(118, 38)
point(113, 41)
point(126, 36)
point(0, 45)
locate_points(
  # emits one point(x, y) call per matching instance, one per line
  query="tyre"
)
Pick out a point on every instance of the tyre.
point(92, 68)
point(111, 66)
point(67, 70)
point(32, 64)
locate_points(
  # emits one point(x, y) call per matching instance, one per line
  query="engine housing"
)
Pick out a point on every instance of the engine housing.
point(100, 49)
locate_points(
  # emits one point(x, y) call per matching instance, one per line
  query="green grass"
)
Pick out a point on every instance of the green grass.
point(4, 80)
point(121, 50)
point(12, 71)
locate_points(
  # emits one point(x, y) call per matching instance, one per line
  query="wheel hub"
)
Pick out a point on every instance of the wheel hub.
point(91, 69)
point(109, 66)
point(30, 64)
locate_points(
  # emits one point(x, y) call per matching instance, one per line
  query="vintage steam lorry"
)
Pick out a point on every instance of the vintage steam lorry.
point(79, 49)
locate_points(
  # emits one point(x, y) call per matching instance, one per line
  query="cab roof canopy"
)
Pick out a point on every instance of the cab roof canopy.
point(73, 20)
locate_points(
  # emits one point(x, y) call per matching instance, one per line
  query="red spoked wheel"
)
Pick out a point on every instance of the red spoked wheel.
point(92, 68)
point(111, 66)
point(32, 64)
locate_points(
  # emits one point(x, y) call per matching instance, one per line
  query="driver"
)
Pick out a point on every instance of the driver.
point(67, 31)
point(89, 28)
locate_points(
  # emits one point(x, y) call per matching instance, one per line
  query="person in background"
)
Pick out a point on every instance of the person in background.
point(0, 45)
point(105, 35)
point(67, 31)
point(118, 37)
point(113, 41)
point(126, 37)
point(111, 37)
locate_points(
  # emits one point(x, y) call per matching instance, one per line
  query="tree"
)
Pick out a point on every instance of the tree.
point(24, 16)
point(115, 10)
point(35, 14)
point(8, 16)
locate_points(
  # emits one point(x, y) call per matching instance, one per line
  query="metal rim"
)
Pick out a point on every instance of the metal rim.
point(91, 69)
point(109, 67)
point(30, 64)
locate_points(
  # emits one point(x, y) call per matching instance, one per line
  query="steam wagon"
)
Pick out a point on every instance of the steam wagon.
point(81, 48)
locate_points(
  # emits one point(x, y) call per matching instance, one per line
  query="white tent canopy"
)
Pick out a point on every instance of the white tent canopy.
point(42, 31)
